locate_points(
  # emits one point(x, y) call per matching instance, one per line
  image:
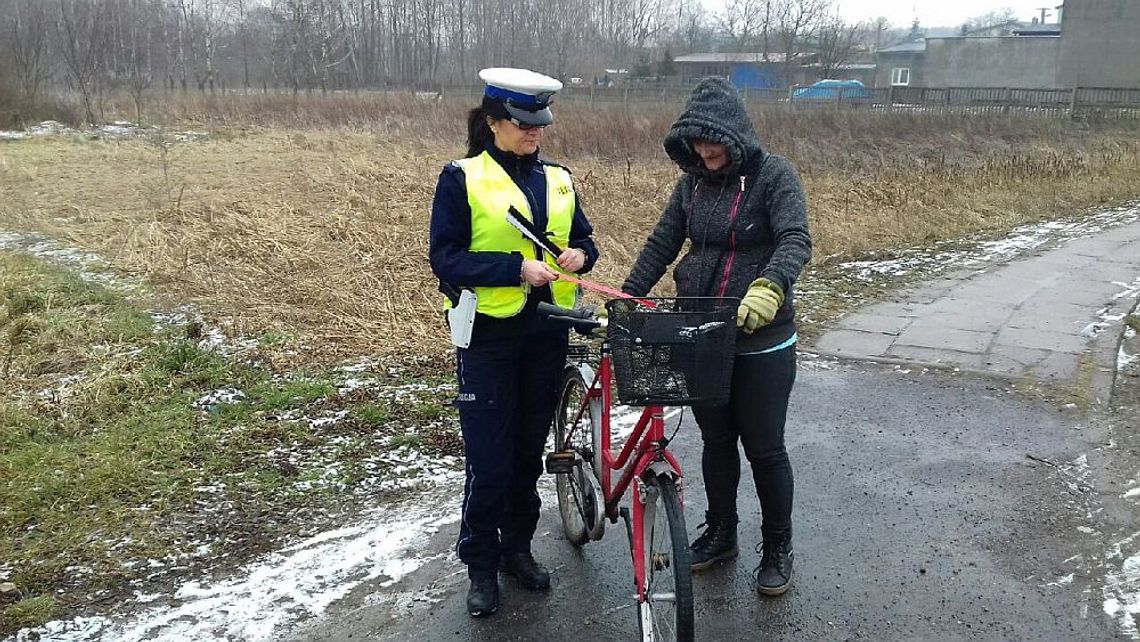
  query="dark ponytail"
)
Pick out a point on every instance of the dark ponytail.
point(479, 135)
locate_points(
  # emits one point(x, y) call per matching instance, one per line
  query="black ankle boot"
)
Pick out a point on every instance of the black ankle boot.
point(774, 575)
point(717, 543)
point(530, 573)
point(483, 596)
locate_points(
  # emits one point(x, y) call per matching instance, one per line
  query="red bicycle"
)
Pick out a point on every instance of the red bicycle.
point(658, 352)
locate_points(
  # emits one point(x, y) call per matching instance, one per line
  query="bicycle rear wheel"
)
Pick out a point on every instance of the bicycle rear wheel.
point(580, 502)
point(667, 613)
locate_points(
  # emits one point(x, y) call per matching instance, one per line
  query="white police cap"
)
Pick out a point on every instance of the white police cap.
point(525, 94)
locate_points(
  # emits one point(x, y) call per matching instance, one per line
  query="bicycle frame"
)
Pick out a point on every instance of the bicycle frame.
point(645, 450)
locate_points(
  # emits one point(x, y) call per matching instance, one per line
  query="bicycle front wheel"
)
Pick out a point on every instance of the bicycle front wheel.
point(666, 614)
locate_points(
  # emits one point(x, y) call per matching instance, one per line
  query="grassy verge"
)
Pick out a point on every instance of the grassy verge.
point(131, 450)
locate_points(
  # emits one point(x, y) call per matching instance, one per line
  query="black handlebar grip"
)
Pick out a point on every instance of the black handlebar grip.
point(549, 309)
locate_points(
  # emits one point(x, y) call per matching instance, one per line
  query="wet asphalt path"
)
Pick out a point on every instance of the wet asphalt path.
point(919, 515)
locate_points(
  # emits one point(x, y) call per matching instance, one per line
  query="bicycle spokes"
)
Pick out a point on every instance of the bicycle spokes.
point(580, 500)
point(666, 608)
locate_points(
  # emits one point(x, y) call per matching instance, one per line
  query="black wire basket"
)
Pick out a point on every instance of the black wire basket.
point(673, 351)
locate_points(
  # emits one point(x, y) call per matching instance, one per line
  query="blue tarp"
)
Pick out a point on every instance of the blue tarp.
point(755, 77)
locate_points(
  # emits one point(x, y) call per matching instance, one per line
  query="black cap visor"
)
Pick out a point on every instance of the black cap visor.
point(538, 118)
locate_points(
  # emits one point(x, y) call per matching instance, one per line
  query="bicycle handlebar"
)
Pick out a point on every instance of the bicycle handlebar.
point(581, 319)
point(549, 309)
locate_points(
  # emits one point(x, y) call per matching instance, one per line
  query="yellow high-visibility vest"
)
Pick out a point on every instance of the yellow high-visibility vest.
point(491, 193)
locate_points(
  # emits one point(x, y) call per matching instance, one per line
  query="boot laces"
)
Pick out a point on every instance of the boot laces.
point(773, 553)
point(708, 536)
point(713, 526)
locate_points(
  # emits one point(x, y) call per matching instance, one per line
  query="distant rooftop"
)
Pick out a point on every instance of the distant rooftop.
point(730, 57)
point(847, 66)
point(1038, 30)
point(914, 46)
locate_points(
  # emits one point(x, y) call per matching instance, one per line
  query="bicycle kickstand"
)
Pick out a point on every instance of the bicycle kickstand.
point(624, 512)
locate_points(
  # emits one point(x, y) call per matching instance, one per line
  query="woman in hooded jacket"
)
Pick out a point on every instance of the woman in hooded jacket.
point(744, 212)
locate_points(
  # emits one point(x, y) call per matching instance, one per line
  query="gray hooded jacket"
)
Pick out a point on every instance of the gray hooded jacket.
point(744, 221)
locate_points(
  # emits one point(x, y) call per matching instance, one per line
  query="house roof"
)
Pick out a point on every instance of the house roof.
point(1018, 27)
point(1038, 30)
point(848, 66)
point(914, 46)
point(730, 57)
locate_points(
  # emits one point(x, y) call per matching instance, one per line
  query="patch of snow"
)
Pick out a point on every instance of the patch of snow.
point(87, 265)
point(1063, 581)
point(218, 397)
point(122, 129)
point(402, 603)
point(61, 390)
point(49, 128)
point(1019, 241)
point(1123, 359)
point(83, 629)
point(215, 340)
point(329, 420)
point(117, 129)
point(190, 136)
point(353, 384)
point(1121, 590)
point(1130, 290)
point(362, 365)
point(280, 589)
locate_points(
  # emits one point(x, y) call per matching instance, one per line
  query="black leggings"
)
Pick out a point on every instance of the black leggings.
point(754, 416)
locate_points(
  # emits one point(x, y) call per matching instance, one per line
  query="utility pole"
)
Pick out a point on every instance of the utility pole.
point(1044, 13)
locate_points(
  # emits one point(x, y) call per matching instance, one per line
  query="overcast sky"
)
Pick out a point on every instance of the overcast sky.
point(939, 13)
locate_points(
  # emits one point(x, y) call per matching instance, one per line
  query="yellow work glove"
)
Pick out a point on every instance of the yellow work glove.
point(601, 314)
point(759, 305)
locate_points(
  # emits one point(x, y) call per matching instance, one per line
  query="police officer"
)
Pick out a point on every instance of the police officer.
point(510, 365)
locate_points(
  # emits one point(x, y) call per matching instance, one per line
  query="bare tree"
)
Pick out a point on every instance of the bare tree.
point(141, 49)
point(877, 33)
point(795, 23)
point(82, 46)
point(838, 42)
point(239, 5)
point(744, 23)
point(28, 43)
point(305, 44)
point(693, 30)
point(989, 19)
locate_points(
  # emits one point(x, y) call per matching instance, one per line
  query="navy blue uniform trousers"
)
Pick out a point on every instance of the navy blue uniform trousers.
point(508, 390)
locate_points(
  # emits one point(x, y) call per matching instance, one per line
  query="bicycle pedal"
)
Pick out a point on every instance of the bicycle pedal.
point(561, 462)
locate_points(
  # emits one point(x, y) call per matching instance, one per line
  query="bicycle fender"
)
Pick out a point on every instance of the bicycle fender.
point(658, 468)
point(587, 372)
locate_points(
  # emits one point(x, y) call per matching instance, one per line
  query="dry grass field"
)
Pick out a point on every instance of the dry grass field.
point(308, 215)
